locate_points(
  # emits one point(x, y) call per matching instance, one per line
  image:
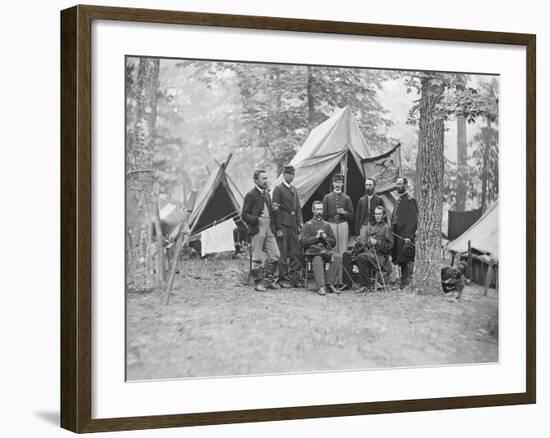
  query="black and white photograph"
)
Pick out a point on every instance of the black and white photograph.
point(287, 218)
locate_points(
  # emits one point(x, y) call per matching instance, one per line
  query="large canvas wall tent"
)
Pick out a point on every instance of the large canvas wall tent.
point(482, 235)
point(479, 245)
point(335, 146)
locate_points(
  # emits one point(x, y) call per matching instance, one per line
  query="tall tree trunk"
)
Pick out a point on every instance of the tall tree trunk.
point(159, 243)
point(462, 162)
point(461, 156)
point(310, 103)
point(140, 175)
point(418, 170)
point(484, 170)
point(427, 274)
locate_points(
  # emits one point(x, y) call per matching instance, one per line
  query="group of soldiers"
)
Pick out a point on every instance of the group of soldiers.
point(281, 243)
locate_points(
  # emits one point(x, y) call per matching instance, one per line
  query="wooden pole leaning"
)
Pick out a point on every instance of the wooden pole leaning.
point(182, 240)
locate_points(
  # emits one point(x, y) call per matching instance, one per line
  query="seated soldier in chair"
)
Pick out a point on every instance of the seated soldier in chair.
point(318, 241)
point(370, 253)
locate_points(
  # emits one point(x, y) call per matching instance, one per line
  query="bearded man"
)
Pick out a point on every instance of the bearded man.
point(318, 240)
point(404, 222)
point(262, 226)
point(364, 219)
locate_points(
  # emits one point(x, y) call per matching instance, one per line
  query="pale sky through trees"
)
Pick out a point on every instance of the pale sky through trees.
point(207, 110)
point(395, 99)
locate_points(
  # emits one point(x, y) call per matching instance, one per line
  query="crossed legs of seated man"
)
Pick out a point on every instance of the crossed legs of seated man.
point(366, 273)
point(326, 281)
point(373, 263)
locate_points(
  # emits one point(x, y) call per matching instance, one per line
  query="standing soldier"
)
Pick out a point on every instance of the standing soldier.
point(404, 222)
point(262, 226)
point(364, 218)
point(337, 211)
point(288, 213)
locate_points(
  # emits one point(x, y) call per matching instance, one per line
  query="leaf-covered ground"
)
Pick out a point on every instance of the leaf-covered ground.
point(217, 326)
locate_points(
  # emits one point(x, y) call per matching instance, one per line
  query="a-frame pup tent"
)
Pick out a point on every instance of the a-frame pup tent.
point(218, 201)
point(335, 146)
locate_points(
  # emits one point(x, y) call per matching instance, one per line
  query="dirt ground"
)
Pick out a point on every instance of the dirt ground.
point(217, 326)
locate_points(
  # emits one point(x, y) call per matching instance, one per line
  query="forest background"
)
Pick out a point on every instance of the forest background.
point(183, 117)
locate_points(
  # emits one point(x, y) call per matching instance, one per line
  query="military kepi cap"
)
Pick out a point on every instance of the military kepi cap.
point(288, 169)
point(338, 177)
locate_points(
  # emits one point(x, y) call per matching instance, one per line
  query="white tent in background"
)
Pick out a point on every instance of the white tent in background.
point(482, 235)
point(335, 146)
point(218, 238)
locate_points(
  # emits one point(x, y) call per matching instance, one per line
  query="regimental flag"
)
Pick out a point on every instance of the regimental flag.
point(384, 168)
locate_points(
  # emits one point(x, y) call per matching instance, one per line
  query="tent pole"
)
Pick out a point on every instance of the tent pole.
point(400, 165)
point(227, 161)
point(179, 245)
point(488, 278)
point(344, 169)
point(469, 259)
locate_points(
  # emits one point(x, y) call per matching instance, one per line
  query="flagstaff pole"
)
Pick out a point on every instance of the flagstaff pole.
point(400, 165)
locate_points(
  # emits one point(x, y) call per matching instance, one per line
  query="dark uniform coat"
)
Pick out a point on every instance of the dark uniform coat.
point(311, 243)
point(381, 232)
point(253, 207)
point(333, 201)
point(404, 222)
point(363, 252)
point(288, 211)
point(366, 213)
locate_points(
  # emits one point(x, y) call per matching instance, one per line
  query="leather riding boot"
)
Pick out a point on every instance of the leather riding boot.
point(257, 277)
point(407, 279)
point(269, 279)
point(404, 274)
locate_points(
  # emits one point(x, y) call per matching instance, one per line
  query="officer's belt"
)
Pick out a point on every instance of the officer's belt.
point(286, 210)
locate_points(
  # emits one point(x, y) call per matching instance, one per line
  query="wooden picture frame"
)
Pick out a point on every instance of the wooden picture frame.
point(76, 217)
